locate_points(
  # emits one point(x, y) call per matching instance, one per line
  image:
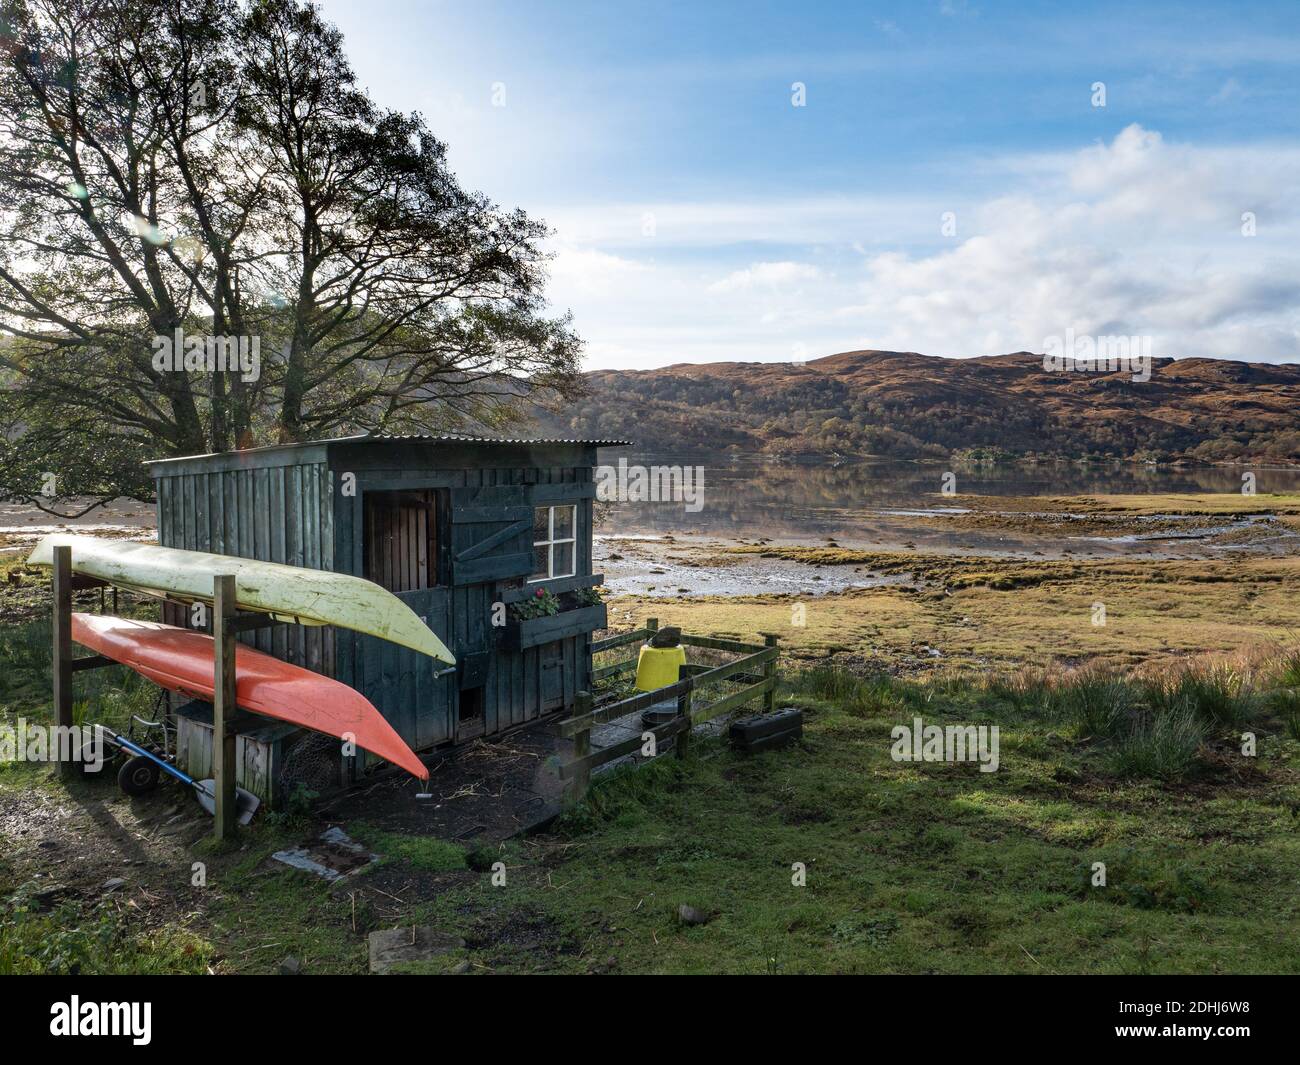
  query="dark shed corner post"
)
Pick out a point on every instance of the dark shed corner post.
point(223, 704)
point(581, 775)
point(63, 653)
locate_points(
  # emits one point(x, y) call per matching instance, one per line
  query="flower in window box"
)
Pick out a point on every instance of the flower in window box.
point(588, 597)
point(542, 604)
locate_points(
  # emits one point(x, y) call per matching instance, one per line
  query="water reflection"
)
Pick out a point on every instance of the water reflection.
point(750, 496)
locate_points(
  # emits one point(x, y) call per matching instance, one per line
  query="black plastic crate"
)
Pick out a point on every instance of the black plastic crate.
point(766, 731)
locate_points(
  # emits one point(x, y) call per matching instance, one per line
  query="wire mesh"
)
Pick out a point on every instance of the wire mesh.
point(312, 762)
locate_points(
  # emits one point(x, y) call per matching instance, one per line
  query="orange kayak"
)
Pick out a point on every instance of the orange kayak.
point(183, 661)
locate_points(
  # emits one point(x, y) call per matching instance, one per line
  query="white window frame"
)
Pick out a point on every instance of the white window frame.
point(550, 542)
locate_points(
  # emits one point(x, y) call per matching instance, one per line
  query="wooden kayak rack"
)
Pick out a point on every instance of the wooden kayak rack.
point(226, 626)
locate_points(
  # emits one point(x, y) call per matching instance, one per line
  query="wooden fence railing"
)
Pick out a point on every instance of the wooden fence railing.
point(756, 669)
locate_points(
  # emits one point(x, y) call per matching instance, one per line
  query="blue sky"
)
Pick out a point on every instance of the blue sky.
point(700, 216)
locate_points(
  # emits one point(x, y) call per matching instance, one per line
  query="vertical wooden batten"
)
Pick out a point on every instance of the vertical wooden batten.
point(223, 705)
point(770, 674)
point(63, 650)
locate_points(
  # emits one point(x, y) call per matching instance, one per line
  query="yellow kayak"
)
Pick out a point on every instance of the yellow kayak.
point(291, 593)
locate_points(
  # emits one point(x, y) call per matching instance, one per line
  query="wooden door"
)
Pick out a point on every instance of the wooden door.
point(404, 550)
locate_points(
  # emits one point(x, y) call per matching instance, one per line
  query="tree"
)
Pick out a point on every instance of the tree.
point(178, 174)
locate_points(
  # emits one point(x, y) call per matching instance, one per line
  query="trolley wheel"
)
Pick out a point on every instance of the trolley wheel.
point(138, 776)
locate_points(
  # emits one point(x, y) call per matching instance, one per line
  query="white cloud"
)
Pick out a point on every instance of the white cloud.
point(1229, 92)
point(772, 275)
point(956, 8)
point(714, 223)
point(588, 271)
point(1138, 238)
point(1136, 235)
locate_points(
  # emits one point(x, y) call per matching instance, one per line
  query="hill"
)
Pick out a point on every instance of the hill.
point(923, 406)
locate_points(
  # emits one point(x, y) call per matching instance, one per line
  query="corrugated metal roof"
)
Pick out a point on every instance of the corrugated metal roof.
point(433, 438)
point(465, 438)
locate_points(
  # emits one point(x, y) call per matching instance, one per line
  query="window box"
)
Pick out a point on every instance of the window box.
point(518, 635)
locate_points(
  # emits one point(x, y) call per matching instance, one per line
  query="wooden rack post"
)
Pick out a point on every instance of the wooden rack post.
point(683, 740)
point(62, 651)
point(769, 675)
point(577, 786)
point(223, 704)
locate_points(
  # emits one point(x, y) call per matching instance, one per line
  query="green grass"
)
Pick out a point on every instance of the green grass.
point(908, 867)
point(1158, 746)
point(419, 852)
point(75, 939)
point(1288, 668)
point(1286, 704)
point(1218, 695)
point(262, 918)
point(1157, 726)
point(858, 695)
point(1098, 706)
point(108, 696)
point(914, 868)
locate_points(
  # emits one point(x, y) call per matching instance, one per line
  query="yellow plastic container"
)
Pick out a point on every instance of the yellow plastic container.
point(657, 667)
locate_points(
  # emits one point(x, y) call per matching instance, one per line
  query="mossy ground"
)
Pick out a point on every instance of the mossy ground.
point(910, 868)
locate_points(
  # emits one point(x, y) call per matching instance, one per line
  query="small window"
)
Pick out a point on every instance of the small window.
point(554, 542)
point(401, 550)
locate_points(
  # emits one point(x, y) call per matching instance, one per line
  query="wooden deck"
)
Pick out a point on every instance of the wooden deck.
point(492, 789)
point(483, 791)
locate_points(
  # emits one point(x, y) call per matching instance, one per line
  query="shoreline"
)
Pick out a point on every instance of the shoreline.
point(992, 583)
point(1206, 580)
point(1002, 529)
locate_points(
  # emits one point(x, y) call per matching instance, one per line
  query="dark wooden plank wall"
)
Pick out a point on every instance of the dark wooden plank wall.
point(273, 514)
point(516, 680)
point(292, 514)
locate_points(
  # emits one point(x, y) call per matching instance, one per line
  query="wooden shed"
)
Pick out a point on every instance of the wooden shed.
point(461, 528)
